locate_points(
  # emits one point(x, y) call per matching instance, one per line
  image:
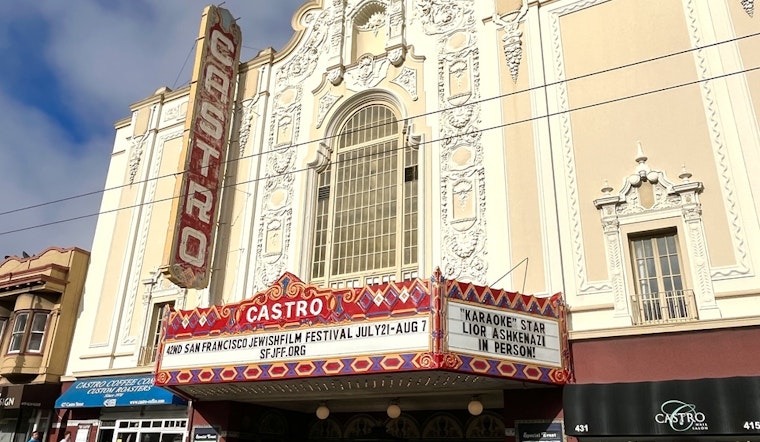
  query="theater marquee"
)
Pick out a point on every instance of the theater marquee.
point(295, 330)
point(212, 94)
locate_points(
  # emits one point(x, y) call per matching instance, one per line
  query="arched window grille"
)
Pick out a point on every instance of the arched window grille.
point(365, 228)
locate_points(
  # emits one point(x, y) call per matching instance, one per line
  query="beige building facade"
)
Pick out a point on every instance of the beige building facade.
point(39, 302)
point(601, 149)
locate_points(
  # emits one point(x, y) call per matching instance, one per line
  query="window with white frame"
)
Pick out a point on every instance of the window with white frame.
point(660, 293)
point(365, 229)
point(28, 332)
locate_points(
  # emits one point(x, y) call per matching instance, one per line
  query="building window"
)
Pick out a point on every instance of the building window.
point(150, 350)
point(366, 212)
point(660, 294)
point(28, 332)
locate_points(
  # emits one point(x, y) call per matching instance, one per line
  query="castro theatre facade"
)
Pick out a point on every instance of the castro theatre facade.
point(429, 359)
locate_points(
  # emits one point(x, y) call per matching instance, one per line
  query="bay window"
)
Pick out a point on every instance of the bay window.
point(28, 332)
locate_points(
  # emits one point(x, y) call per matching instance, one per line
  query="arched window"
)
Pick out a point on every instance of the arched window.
point(365, 228)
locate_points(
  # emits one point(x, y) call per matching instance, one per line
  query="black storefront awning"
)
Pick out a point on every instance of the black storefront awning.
point(29, 395)
point(701, 407)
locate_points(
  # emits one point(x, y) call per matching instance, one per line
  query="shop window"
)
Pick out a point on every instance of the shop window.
point(28, 332)
point(660, 293)
point(145, 430)
point(366, 203)
point(150, 349)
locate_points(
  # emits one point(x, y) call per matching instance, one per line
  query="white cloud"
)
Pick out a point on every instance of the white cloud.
point(39, 165)
point(104, 55)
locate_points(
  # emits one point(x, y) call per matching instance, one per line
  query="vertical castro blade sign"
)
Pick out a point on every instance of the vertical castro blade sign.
point(206, 131)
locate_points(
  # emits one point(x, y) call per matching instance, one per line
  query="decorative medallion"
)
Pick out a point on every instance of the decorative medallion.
point(407, 79)
point(325, 104)
point(441, 16)
point(367, 73)
point(374, 23)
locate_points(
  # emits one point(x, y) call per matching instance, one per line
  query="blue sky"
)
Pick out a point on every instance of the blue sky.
point(69, 70)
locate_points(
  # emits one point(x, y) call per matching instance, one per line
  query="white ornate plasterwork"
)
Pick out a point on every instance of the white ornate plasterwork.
point(335, 75)
point(374, 23)
point(246, 120)
point(337, 37)
point(336, 26)
point(275, 243)
point(143, 230)
point(627, 208)
point(305, 60)
point(278, 195)
point(325, 104)
point(396, 56)
point(396, 40)
point(407, 80)
point(463, 193)
point(464, 235)
point(135, 156)
point(175, 112)
point(321, 157)
point(275, 222)
point(512, 39)
point(395, 21)
point(749, 7)
point(720, 151)
point(443, 16)
point(368, 73)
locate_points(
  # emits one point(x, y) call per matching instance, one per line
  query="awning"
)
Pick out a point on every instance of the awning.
point(726, 406)
point(117, 391)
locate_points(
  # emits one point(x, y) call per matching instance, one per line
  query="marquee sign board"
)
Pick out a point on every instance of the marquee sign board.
point(294, 330)
point(502, 334)
point(212, 94)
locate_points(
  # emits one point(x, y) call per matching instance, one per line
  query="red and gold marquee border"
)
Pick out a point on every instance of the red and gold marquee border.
point(392, 300)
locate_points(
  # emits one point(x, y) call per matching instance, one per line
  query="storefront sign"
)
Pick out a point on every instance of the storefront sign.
point(501, 334)
point(681, 416)
point(120, 391)
point(28, 395)
point(540, 432)
point(707, 407)
point(371, 337)
point(212, 94)
point(7, 402)
point(205, 435)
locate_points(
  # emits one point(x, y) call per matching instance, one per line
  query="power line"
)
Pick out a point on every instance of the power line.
point(174, 85)
point(409, 118)
point(498, 126)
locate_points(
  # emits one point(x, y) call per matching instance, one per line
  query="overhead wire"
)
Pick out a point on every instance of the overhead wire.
point(187, 58)
point(403, 146)
point(408, 118)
